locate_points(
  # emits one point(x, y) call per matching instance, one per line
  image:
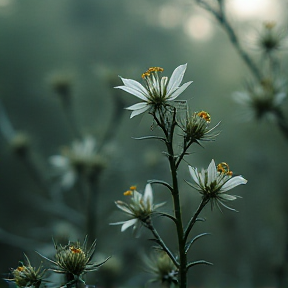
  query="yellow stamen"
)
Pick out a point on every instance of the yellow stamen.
point(128, 193)
point(75, 250)
point(151, 70)
point(133, 187)
point(269, 24)
point(146, 74)
point(205, 115)
point(224, 168)
point(20, 268)
point(155, 69)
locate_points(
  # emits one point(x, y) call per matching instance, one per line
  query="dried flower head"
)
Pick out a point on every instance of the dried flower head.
point(162, 268)
point(25, 275)
point(81, 157)
point(139, 209)
point(74, 258)
point(196, 127)
point(214, 182)
point(156, 91)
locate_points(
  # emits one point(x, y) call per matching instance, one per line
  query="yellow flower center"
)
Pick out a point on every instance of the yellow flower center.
point(151, 70)
point(133, 187)
point(75, 250)
point(224, 168)
point(205, 115)
point(21, 268)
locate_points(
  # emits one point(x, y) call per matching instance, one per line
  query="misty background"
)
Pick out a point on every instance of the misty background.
point(95, 41)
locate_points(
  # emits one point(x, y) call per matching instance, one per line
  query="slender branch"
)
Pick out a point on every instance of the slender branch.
point(162, 183)
point(159, 240)
point(191, 264)
point(168, 216)
point(149, 137)
point(194, 218)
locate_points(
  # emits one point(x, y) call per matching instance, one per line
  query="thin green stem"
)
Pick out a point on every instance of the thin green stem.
point(159, 240)
point(194, 218)
point(169, 133)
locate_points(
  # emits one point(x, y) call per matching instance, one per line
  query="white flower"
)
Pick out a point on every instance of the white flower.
point(140, 208)
point(156, 91)
point(81, 156)
point(215, 181)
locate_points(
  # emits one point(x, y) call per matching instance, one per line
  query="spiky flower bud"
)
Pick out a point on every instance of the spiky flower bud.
point(74, 258)
point(196, 127)
point(25, 275)
point(162, 268)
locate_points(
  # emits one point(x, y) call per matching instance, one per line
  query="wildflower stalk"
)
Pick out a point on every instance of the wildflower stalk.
point(174, 162)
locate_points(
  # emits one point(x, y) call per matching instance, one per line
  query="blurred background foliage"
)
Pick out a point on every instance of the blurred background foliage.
point(93, 42)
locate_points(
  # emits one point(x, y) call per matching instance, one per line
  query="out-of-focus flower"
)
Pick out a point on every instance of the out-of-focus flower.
point(196, 127)
point(26, 276)
point(214, 182)
point(156, 91)
point(271, 39)
point(162, 268)
point(74, 259)
point(81, 157)
point(263, 99)
point(140, 208)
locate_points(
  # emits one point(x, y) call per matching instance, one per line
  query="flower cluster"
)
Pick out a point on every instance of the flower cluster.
point(213, 182)
point(156, 91)
point(139, 209)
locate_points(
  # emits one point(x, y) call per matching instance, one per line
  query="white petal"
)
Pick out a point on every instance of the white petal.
point(228, 197)
point(68, 179)
point(123, 206)
point(148, 195)
point(137, 106)
point(212, 172)
point(279, 98)
point(176, 78)
point(194, 174)
point(128, 224)
point(241, 97)
point(159, 205)
point(178, 91)
point(133, 91)
point(59, 161)
point(139, 111)
point(233, 182)
point(134, 84)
